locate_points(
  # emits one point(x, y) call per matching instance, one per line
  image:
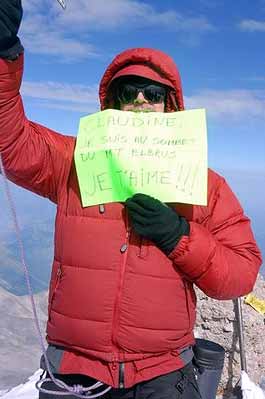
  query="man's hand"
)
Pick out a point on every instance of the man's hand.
point(156, 221)
point(10, 18)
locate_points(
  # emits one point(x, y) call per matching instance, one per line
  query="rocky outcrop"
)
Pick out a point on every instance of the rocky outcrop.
point(216, 321)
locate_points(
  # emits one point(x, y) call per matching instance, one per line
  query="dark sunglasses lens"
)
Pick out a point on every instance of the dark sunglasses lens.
point(127, 93)
point(155, 94)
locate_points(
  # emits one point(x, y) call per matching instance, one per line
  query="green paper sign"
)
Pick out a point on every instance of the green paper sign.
point(120, 153)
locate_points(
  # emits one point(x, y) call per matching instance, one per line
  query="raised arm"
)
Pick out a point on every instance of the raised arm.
point(34, 157)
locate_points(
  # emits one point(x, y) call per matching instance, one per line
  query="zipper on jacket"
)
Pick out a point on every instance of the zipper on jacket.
point(123, 248)
point(124, 252)
point(101, 208)
point(121, 375)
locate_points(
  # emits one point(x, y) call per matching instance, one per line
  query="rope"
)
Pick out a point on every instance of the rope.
point(76, 390)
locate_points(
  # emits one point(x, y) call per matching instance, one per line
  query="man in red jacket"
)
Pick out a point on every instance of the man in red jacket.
point(121, 300)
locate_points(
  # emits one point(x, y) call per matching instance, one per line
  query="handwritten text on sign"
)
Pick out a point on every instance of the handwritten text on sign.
point(121, 153)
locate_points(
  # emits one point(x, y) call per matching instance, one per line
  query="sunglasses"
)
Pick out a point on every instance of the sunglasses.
point(128, 92)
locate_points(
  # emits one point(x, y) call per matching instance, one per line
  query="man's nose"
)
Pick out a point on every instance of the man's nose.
point(140, 99)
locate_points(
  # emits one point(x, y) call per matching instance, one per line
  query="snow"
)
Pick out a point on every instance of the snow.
point(29, 391)
point(24, 391)
point(249, 389)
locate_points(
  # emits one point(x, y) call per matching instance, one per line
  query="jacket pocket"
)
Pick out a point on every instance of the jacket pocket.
point(191, 302)
point(54, 284)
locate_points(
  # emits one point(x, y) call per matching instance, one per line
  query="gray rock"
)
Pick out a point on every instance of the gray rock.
point(222, 328)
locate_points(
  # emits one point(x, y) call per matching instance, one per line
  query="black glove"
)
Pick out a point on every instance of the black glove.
point(10, 18)
point(156, 221)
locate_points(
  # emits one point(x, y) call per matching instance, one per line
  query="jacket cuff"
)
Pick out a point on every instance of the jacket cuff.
point(7, 66)
point(182, 230)
point(192, 253)
point(13, 52)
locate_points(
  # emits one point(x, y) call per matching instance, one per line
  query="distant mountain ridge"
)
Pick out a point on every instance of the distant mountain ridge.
point(19, 342)
point(38, 246)
point(36, 222)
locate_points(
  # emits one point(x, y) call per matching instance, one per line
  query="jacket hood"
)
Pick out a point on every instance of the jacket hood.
point(148, 63)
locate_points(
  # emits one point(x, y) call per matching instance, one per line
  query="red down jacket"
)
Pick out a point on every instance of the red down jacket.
point(106, 305)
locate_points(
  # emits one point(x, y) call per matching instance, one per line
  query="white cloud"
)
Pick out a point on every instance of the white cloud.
point(252, 25)
point(55, 44)
point(236, 104)
point(41, 34)
point(80, 108)
point(47, 29)
point(72, 97)
point(99, 14)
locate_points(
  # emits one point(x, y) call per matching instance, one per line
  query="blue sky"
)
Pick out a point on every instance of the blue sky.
point(217, 45)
